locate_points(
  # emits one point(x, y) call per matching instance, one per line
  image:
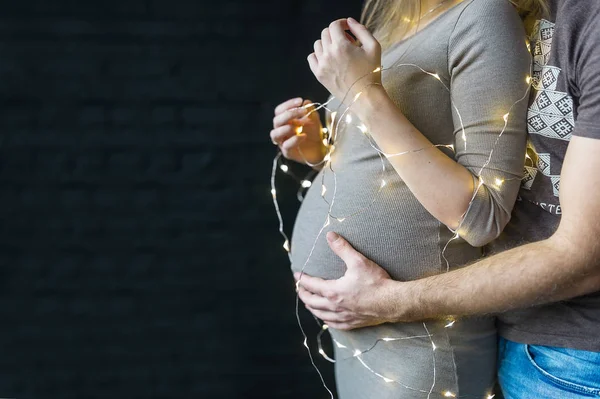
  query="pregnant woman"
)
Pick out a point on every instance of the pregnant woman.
point(457, 77)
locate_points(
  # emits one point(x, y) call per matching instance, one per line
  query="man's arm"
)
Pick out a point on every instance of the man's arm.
point(563, 266)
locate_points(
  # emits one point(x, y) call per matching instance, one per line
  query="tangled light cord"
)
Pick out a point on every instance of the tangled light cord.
point(330, 134)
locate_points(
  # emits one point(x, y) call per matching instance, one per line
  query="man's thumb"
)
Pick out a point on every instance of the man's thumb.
point(342, 248)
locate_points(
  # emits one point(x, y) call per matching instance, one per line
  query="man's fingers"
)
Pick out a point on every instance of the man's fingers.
point(316, 301)
point(284, 106)
point(286, 116)
point(316, 285)
point(344, 250)
point(337, 30)
point(282, 133)
point(329, 317)
point(362, 34)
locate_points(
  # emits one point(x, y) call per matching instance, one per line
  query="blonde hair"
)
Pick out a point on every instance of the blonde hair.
point(390, 20)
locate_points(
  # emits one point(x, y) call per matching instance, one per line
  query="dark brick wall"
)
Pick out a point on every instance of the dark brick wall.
point(139, 254)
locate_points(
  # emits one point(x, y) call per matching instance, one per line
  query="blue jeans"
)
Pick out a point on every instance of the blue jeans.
point(544, 372)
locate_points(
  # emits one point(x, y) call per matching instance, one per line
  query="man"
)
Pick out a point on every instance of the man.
point(550, 287)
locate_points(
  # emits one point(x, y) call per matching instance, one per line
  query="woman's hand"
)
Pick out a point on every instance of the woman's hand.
point(341, 64)
point(297, 133)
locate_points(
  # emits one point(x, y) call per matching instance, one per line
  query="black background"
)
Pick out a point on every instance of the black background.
point(139, 253)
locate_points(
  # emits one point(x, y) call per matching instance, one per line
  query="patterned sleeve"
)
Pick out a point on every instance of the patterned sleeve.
point(489, 63)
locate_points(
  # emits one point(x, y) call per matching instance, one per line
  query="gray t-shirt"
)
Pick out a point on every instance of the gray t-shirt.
point(565, 103)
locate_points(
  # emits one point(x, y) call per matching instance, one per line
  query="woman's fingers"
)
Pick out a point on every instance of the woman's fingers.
point(318, 46)
point(280, 134)
point(313, 63)
point(363, 35)
point(291, 144)
point(337, 31)
point(325, 38)
point(284, 106)
point(286, 116)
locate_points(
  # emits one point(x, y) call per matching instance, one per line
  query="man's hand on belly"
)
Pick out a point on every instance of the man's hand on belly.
point(362, 297)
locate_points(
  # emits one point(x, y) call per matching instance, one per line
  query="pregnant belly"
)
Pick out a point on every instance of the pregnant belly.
point(389, 226)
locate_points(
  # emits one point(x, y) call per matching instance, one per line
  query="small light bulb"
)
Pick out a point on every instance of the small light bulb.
point(449, 394)
point(284, 168)
point(450, 324)
point(451, 146)
point(327, 222)
point(286, 245)
point(325, 327)
point(383, 183)
point(348, 118)
point(306, 343)
point(499, 182)
point(433, 346)
point(362, 128)
point(341, 220)
point(323, 190)
point(490, 396)
point(377, 69)
point(273, 193)
point(387, 379)
point(306, 183)
point(386, 339)
point(324, 130)
point(505, 117)
point(322, 352)
point(406, 19)
point(435, 75)
point(325, 142)
point(299, 129)
point(356, 352)
point(340, 345)
point(528, 79)
point(357, 95)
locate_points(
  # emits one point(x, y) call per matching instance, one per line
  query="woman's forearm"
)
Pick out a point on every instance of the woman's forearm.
point(441, 185)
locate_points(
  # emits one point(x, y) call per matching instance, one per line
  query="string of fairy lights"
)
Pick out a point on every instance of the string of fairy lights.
point(330, 135)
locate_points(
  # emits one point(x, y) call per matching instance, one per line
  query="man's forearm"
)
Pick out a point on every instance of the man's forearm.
point(532, 274)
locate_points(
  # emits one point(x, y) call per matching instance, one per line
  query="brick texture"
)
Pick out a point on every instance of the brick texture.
point(139, 255)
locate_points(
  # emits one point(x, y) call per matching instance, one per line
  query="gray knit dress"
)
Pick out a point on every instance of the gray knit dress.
point(478, 49)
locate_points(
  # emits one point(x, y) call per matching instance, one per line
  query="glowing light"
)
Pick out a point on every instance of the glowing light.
point(273, 193)
point(327, 157)
point(324, 130)
point(490, 396)
point(406, 19)
point(528, 79)
point(299, 129)
point(325, 327)
point(376, 69)
point(348, 118)
point(286, 245)
point(451, 146)
point(325, 142)
point(505, 117)
point(449, 394)
point(323, 190)
point(387, 379)
point(433, 346)
point(383, 183)
point(356, 352)
point(306, 343)
point(306, 183)
point(450, 324)
point(340, 345)
point(387, 339)
point(498, 182)
point(356, 97)
point(284, 168)
point(341, 219)
point(435, 75)
point(362, 128)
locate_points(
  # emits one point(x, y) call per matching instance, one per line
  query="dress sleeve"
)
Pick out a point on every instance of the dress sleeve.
point(489, 64)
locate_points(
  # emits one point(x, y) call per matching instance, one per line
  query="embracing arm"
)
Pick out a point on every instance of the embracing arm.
point(564, 266)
